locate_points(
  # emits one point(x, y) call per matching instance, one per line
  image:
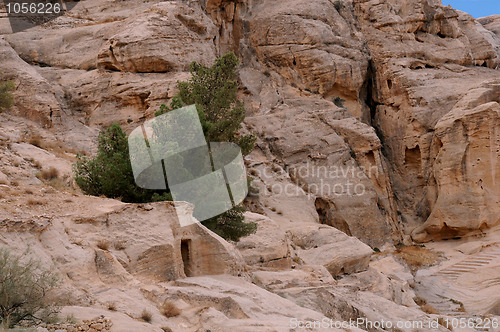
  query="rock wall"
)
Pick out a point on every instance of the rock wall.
point(108, 243)
point(433, 64)
point(404, 68)
point(376, 120)
point(95, 61)
point(398, 97)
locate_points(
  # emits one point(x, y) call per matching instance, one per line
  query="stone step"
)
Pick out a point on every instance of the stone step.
point(471, 263)
point(459, 270)
point(474, 262)
point(484, 260)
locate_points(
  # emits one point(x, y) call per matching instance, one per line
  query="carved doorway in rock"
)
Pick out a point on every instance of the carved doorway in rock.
point(186, 257)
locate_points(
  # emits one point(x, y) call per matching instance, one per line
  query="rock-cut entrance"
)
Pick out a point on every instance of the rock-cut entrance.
point(186, 257)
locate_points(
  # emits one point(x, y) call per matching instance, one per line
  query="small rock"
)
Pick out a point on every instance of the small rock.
point(4, 179)
point(97, 326)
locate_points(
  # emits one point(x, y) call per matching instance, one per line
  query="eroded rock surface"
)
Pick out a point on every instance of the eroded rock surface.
point(328, 247)
point(432, 64)
point(377, 123)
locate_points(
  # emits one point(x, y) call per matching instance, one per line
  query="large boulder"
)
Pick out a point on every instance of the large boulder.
point(34, 96)
point(166, 38)
point(156, 247)
point(491, 30)
point(492, 23)
point(389, 279)
point(327, 246)
point(268, 247)
point(159, 37)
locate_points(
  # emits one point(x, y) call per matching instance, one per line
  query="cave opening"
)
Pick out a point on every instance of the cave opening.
point(370, 156)
point(328, 215)
point(186, 257)
point(413, 158)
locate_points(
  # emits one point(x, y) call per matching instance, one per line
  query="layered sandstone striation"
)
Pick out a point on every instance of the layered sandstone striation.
point(377, 123)
point(403, 69)
point(434, 71)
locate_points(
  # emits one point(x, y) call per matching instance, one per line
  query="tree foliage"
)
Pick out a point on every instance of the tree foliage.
point(109, 173)
point(213, 90)
point(6, 96)
point(339, 102)
point(25, 287)
point(231, 225)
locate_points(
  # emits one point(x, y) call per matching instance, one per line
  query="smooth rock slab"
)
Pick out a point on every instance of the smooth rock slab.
point(327, 246)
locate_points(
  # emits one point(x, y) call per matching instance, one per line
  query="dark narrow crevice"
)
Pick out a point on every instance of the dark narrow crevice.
point(369, 94)
point(143, 99)
point(39, 63)
point(413, 159)
point(440, 35)
point(370, 156)
point(329, 215)
point(186, 257)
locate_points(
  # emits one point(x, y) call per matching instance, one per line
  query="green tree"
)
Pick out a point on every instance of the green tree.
point(6, 97)
point(25, 287)
point(213, 90)
point(231, 224)
point(109, 173)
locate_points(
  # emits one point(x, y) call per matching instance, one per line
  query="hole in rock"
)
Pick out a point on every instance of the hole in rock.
point(329, 215)
point(371, 158)
point(186, 257)
point(413, 158)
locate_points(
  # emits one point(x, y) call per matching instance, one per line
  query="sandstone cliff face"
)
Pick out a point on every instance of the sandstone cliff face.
point(91, 59)
point(42, 106)
point(117, 260)
point(377, 122)
point(423, 109)
point(416, 130)
point(418, 64)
